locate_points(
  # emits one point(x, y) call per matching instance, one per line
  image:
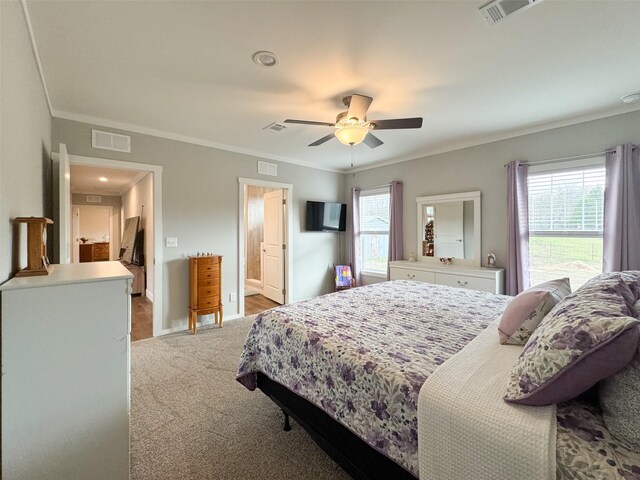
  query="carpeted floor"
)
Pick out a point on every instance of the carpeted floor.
point(190, 419)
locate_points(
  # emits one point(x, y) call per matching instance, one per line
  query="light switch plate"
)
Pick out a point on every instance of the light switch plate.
point(232, 297)
point(171, 242)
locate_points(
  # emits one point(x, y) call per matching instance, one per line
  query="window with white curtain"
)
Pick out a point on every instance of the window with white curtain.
point(374, 231)
point(566, 210)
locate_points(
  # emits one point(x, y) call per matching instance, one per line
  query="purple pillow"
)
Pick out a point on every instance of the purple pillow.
point(525, 312)
point(587, 337)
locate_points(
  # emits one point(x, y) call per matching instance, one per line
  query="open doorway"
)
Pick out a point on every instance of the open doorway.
point(112, 219)
point(264, 263)
point(264, 271)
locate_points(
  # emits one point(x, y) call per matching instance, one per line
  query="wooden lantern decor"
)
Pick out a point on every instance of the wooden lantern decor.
point(37, 260)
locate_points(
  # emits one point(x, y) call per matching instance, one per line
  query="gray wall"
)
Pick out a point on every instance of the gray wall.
point(200, 207)
point(25, 139)
point(482, 168)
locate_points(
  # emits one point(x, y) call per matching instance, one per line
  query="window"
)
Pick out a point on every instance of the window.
point(374, 231)
point(565, 223)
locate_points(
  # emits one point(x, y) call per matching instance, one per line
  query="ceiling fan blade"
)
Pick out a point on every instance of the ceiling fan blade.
point(358, 106)
point(309, 122)
point(323, 140)
point(396, 123)
point(372, 141)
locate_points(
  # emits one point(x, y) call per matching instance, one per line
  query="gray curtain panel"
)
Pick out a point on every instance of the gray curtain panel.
point(395, 224)
point(355, 236)
point(622, 210)
point(518, 225)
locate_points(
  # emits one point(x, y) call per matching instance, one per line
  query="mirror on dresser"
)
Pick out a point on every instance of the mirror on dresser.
point(449, 227)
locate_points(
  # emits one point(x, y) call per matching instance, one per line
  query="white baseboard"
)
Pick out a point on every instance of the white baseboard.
point(149, 295)
point(185, 327)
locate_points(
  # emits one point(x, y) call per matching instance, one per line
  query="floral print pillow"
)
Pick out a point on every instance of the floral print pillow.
point(525, 312)
point(587, 337)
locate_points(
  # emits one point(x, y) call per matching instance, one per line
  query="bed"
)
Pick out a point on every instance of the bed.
point(349, 368)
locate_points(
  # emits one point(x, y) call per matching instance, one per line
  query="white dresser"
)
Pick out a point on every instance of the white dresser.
point(66, 374)
point(478, 278)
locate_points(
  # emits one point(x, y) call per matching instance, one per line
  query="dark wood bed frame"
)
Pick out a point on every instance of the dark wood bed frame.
point(354, 455)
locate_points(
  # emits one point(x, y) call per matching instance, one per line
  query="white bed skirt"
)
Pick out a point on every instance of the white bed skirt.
point(467, 431)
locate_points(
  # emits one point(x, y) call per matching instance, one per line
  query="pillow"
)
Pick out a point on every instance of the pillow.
point(525, 312)
point(620, 402)
point(587, 337)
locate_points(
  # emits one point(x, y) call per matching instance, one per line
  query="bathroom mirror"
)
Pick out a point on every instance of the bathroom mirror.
point(449, 227)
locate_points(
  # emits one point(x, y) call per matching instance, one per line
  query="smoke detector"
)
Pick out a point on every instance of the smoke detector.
point(498, 10)
point(266, 59)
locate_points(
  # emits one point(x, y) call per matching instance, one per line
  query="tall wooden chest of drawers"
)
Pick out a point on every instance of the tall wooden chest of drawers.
point(205, 280)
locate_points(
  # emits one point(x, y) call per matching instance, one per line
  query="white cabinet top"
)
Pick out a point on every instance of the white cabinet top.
point(71, 273)
point(453, 269)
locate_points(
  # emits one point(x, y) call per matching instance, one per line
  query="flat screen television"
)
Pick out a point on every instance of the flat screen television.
point(326, 217)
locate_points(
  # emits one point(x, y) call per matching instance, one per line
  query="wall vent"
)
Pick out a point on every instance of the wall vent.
point(275, 127)
point(110, 141)
point(498, 10)
point(266, 168)
point(94, 199)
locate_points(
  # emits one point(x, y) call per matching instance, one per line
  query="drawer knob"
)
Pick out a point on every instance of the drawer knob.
point(462, 284)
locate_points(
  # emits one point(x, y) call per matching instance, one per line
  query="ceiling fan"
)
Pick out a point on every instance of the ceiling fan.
point(352, 126)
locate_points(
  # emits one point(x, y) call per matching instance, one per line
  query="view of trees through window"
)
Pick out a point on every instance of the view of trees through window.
point(374, 232)
point(565, 224)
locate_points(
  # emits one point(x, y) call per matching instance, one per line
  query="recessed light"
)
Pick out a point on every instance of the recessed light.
point(266, 59)
point(630, 98)
point(103, 179)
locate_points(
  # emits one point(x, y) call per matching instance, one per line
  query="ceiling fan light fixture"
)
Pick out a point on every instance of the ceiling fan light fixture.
point(352, 135)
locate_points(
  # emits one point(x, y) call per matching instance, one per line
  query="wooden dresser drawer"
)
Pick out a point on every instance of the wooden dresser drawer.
point(208, 271)
point(207, 302)
point(208, 282)
point(208, 261)
point(208, 290)
point(462, 281)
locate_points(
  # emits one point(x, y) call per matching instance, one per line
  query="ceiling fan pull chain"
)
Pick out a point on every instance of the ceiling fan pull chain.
point(351, 149)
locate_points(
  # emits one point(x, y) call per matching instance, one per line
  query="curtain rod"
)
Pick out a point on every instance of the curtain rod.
point(567, 159)
point(376, 186)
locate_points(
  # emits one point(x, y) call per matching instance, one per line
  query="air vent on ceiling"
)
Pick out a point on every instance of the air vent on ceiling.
point(94, 199)
point(498, 10)
point(266, 168)
point(110, 141)
point(275, 127)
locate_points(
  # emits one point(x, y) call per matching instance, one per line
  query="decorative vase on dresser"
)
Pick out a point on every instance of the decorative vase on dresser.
point(477, 278)
point(66, 373)
point(205, 280)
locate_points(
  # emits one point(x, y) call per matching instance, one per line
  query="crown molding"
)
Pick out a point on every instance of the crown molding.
point(542, 127)
point(36, 54)
point(129, 127)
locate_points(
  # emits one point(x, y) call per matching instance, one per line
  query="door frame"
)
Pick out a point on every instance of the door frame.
point(158, 264)
point(288, 235)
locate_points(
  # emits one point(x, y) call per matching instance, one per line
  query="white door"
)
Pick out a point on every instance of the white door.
point(273, 251)
point(75, 235)
point(64, 206)
point(449, 230)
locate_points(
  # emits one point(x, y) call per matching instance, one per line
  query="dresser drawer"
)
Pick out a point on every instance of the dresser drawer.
point(208, 271)
point(208, 290)
point(207, 302)
point(397, 273)
point(208, 282)
point(462, 281)
point(208, 261)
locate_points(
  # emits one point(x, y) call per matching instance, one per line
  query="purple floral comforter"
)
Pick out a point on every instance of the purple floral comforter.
point(585, 450)
point(362, 355)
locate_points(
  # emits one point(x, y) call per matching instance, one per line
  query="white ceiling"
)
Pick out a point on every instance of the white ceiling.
point(84, 179)
point(184, 69)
